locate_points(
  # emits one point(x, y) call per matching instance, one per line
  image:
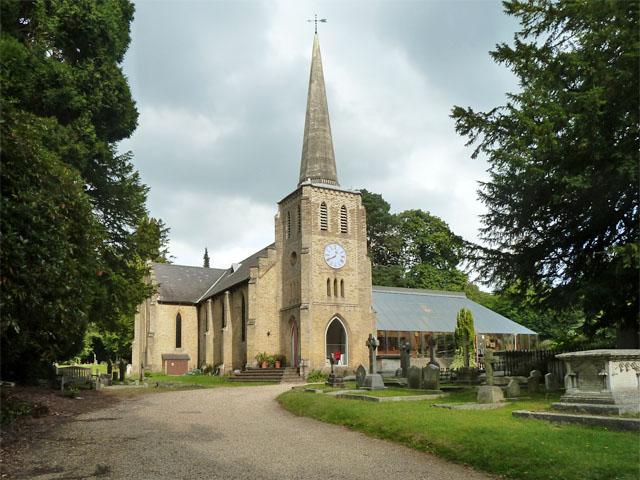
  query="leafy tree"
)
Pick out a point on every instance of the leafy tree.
point(563, 195)
point(431, 252)
point(561, 326)
point(49, 239)
point(206, 258)
point(411, 249)
point(383, 239)
point(71, 205)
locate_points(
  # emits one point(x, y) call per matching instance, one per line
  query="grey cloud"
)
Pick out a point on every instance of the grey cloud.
point(222, 91)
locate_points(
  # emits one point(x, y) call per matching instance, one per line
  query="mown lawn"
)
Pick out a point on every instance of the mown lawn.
point(489, 440)
point(208, 381)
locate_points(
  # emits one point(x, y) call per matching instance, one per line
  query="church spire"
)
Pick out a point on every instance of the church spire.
point(318, 163)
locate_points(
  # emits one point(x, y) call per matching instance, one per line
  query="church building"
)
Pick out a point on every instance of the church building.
point(306, 296)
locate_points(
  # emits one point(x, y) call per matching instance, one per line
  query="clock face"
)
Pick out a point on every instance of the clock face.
point(334, 255)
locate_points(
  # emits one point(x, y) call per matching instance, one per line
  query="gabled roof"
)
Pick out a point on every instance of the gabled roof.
point(412, 309)
point(237, 274)
point(183, 284)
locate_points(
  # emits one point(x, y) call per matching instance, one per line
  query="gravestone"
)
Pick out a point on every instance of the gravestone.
point(405, 358)
point(488, 365)
point(431, 377)
point(533, 382)
point(398, 372)
point(373, 380)
point(372, 345)
point(334, 380)
point(361, 373)
point(432, 352)
point(490, 394)
point(551, 382)
point(413, 378)
point(513, 389)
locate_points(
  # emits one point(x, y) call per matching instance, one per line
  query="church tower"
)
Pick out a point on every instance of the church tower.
point(321, 241)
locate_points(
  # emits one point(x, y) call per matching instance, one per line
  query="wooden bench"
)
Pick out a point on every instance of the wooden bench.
point(75, 376)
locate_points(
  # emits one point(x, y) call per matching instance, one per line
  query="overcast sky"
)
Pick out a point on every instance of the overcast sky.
point(221, 91)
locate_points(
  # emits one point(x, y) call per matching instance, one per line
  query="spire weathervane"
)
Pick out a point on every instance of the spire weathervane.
point(315, 21)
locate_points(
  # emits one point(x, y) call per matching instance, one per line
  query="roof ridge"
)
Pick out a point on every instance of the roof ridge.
point(185, 266)
point(418, 291)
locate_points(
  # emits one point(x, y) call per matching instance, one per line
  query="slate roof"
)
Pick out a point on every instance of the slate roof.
point(231, 277)
point(409, 309)
point(183, 284)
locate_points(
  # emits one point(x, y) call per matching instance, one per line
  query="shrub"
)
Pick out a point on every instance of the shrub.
point(71, 392)
point(464, 336)
point(262, 357)
point(316, 376)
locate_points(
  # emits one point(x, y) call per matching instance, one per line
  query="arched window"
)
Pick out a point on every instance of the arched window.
point(223, 321)
point(178, 331)
point(244, 319)
point(299, 219)
point(344, 224)
point(336, 340)
point(324, 217)
point(328, 287)
point(342, 288)
point(335, 287)
point(288, 225)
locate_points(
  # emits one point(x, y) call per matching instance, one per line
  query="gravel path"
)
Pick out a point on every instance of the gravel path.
point(226, 433)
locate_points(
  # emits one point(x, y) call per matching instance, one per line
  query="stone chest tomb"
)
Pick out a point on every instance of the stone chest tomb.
point(601, 381)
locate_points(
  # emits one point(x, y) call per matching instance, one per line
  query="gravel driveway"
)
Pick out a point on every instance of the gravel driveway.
point(226, 433)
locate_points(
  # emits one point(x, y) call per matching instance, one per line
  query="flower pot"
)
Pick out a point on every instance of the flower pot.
point(265, 364)
point(277, 363)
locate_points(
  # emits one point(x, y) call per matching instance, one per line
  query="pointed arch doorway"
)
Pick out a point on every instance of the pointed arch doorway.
point(337, 340)
point(294, 346)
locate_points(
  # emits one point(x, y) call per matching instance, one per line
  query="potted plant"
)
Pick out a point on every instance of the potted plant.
point(263, 359)
point(271, 359)
point(280, 361)
point(276, 361)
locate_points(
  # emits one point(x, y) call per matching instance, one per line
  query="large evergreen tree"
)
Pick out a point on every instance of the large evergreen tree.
point(71, 204)
point(562, 196)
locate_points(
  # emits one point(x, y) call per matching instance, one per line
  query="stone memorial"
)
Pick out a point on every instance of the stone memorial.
point(489, 394)
point(361, 373)
point(512, 389)
point(601, 381)
point(431, 377)
point(413, 377)
point(534, 380)
point(405, 358)
point(373, 381)
point(488, 365)
point(334, 380)
point(432, 352)
point(551, 382)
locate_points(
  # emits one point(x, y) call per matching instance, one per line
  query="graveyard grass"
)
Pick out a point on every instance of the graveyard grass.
point(489, 440)
point(207, 381)
point(387, 392)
